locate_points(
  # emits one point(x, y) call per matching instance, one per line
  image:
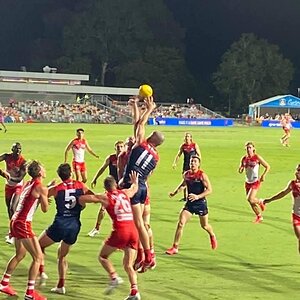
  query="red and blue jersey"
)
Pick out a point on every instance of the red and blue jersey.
point(67, 199)
point(143, 160)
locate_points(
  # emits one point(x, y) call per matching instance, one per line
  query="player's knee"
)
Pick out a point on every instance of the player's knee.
point(180, 224)
point(128, 268)
point(205, 226)
point(147, 226)
point(20, 256)
point(102, 258)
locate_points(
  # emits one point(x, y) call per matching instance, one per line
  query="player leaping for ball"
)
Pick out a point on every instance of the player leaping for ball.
point(78, 146)
point(143, 160)
point(250, 164)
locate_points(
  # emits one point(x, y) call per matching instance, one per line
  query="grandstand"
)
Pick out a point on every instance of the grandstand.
point(53, 97)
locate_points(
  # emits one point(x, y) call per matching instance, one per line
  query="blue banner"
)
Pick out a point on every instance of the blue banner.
point(190, 122)
point(276, 123)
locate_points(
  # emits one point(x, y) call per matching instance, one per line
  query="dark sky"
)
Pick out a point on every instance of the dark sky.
point(211, 27)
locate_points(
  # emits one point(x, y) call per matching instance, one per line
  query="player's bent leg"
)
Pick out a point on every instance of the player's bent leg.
point(14, 203)
point(62, 253)
point(100, 216)
point(115, 280)
point(11, 266)
point(129, 256)
point(77, 174)
point(253, 201)
point(45, 242)
point(33, 247)
point(139, 223)
point(184, 217)
point(84, 176)
point(208, 228)
point(297, 233)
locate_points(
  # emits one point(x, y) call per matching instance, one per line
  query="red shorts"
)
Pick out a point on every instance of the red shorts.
point(79, 166)
point(286, 130)
point(296, 220)
point(124, 238)
point(21, 229)
point(254, 185)
point(10, 190)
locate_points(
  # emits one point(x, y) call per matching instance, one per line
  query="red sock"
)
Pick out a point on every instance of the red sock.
point(133, 290)
point(5, 279)
point(97, 226)
point(30, 287)
point(61, 283)
point(42, 269)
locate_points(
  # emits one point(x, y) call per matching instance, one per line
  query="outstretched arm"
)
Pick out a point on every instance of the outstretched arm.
point(241, 167)
point(89, 149)
point(266, 166)
point(140, 130)
point(279, 195)
point(180, 187)
point(100, 198)
point(68, 148)
point(198, 152)
point(100, 172)
point(179, 153)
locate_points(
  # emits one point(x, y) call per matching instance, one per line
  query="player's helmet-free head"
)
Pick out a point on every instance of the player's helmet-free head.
point(64, 171)
point(16, 148)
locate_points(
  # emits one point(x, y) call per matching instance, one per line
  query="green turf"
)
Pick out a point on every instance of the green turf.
point(252, 261)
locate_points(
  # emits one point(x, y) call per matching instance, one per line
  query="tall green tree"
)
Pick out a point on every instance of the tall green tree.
point(252, 69)
point(106, 34)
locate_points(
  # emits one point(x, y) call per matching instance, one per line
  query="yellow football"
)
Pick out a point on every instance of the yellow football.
point(145, 90)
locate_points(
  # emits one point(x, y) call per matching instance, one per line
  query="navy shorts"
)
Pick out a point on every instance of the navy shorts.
point(197, 207)
point(140, 196)
point(65, 230)
point(186, 167)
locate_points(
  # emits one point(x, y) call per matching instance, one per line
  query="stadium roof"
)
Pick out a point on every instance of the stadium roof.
point(280, 101)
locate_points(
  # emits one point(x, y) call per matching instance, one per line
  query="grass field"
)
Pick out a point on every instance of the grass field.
point(252, 261)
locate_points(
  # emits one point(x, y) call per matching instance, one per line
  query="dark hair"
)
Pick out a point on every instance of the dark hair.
point(109, 183)
point(79, 129)
point(196, 156)
point(34, 169)
point(16, 145)
point(64, 171)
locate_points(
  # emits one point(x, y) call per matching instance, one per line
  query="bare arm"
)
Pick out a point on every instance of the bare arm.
point(266, 166)
point(180, 187)
point(241, 167)
point(89, 149)
point(4, 174)
point(279, 195)
point(68, 148)
point(133, 102)
point(206, 192)
point(198, 152)
point(100, 172)
point(179, 153)
point(41, 192)
point(100, 198)
point(140, 130)
point(3, 156)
